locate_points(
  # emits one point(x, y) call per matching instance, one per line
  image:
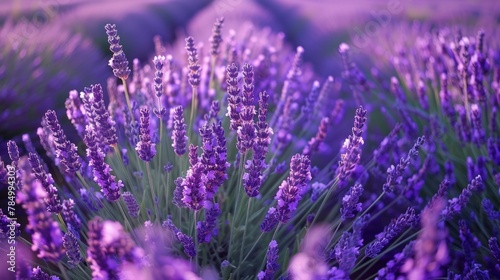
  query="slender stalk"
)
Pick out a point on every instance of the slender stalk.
point(195, 237)
point(245, 228)
point(63, 270)
point(127, 98)
point(153, 195)
point(194, 106)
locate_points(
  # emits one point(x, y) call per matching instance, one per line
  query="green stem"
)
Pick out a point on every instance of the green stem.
point(245, 229)
point(151, 187)
point(194, 106)
point(63, 270)
point(127, 98)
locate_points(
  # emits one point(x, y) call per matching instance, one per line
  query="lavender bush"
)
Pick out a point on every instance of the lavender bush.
point(219, 161)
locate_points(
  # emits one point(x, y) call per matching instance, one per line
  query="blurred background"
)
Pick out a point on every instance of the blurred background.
point(49, 47)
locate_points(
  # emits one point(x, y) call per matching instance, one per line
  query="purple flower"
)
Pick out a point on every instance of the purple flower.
point(313, 144)
point(214, 157)
point(347, 250)
point(213, 114)
point(118, 62)
point(13, 151)
point(380, 154)
point(478, 134)
point(184, 239)
point(352, 148)
point(288, 195)
point(70, 243)
point(145, 148)
point(179, 138)
point(105, 124)
point(394, 228)
point(101, 170)
point(252, 180)
point(206, 227)
point(108, 247)
point(234, 99)
point(271, 262)
point(247, 131)
point(8, 225)
point(307, 109)
point(431, 250)
point(193, 187)
point(70, 217)
point(45, 232)
point(177, 200)
point(53, 202)
point(168, 167)
point(216, 37)
point(350, 202)
point(495, 251)
point(470, 244)
point(38, 274)
point(394, 174)
point(131, 203)
point(65, 150)
point(488, 209)
point(456, 204)
point(159, 62)
point(393, 266)
point(270, 221)
point(193, 64)
point(441, 193)
point(75, 112)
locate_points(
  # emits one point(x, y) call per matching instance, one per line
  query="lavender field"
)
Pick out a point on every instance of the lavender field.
point(239, 139)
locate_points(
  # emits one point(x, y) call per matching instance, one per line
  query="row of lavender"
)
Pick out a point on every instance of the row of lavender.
point(224, 167)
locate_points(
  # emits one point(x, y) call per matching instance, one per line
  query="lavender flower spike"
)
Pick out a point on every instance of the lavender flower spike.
point(70, 217)
point(145, 148)
point(118, 62)
point(101, 170)
point(108, 246)
point(186, 240)
point(247, 131)
point(106, 124)
point(193, 64)
point(234, 101)
point(352, 146)
point(394, 173)
point(288, 195)
point(206, 227)
point(313, 144)
point(252, 180)
point(193, 187)
point(216, 37)
point(179, 138)
point(271, 262)
point(131, 203)
point(456, 205)
point(46, 234)
point(65, 150)
point(13, 151)
point(350, 202)
point(72, 249)
point(53, 202)
point(394, 228)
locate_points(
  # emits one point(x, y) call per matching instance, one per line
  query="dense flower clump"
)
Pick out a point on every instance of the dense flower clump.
point(226, 163)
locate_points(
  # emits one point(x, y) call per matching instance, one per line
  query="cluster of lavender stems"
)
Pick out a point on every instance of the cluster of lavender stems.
point(227, 164)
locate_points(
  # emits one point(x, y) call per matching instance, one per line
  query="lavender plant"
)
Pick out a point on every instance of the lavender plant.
point(223, 164)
